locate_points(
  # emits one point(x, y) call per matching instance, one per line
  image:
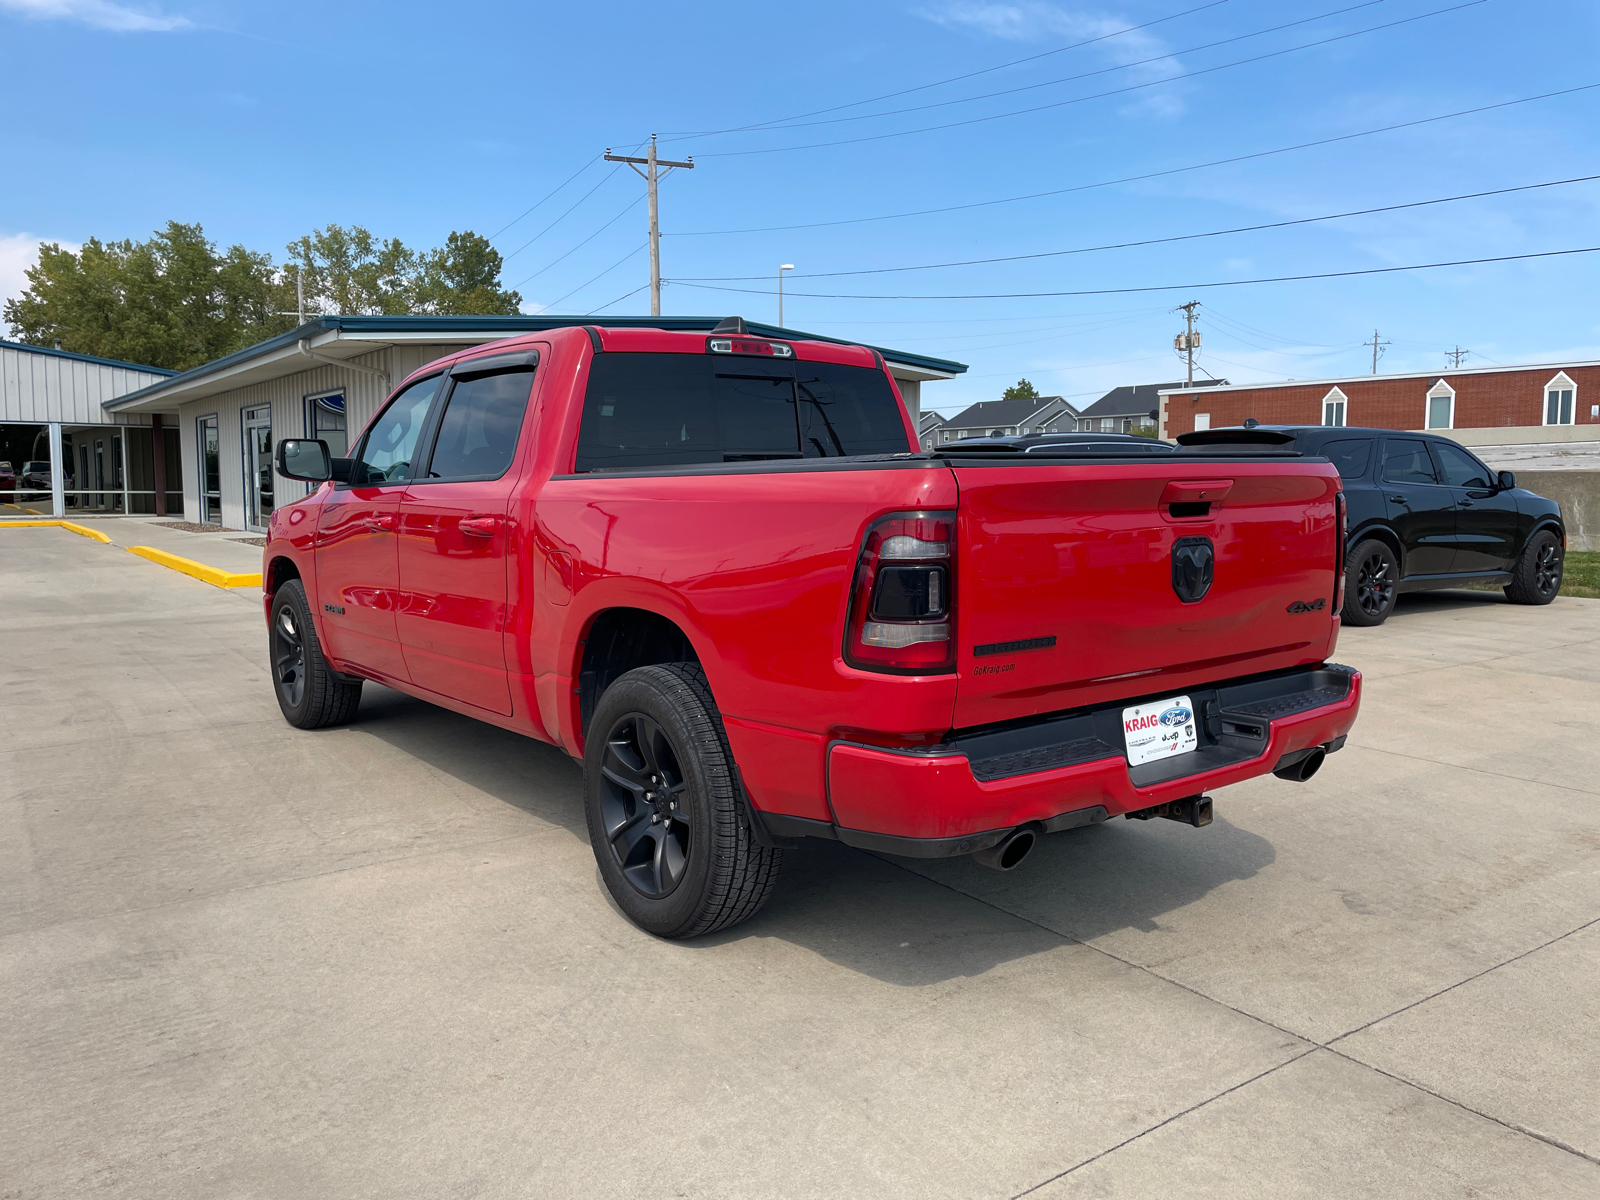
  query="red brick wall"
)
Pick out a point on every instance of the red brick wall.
point(1499, 398)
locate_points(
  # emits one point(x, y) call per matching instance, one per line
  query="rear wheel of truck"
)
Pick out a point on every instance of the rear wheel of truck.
point(1371, 582)
point(1536, 579)
point(662, 802)
point(310, 693)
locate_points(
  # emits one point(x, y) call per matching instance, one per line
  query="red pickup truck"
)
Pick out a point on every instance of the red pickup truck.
point(715, 568)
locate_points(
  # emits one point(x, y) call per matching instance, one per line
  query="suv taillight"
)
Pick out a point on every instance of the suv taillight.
point(1338, 559)
point(903, 598)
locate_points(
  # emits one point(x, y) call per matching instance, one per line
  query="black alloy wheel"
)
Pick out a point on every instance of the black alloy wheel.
point(310, 692)
point(288, 657)
point(644, 809)
point(672, 836)
point(1536, 579)
point(1370, 584)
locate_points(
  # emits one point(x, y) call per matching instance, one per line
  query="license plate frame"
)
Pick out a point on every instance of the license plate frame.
point(1159, 729)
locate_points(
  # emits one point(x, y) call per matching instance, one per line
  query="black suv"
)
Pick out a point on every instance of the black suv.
point(1424, 513)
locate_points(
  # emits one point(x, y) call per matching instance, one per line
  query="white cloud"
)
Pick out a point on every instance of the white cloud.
point(18, 252)
point(99, 14)
point(1036, 21)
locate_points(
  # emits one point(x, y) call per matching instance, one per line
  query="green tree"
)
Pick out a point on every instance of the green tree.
point(463, 276)
point(171, 301)
point(1020, 390)
point(350, 272)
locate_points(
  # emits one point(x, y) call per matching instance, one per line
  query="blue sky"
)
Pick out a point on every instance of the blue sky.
point(264, 121)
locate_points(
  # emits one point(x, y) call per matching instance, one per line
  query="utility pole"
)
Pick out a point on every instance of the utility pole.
point(1455, 356)
point(1188, 341)
point(1377, 349)
point(651, 175)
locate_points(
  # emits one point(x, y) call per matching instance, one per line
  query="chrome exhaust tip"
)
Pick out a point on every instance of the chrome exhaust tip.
point(1009, 850)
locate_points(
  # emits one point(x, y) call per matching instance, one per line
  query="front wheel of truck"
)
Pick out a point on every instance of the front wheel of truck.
point(309, 691)
point(662, 802)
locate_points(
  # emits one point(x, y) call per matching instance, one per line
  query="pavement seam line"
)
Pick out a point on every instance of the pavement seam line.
point(1501, 1121)
point(1565, 787)
point(265, 883)
point(1309, 1050)
point(1461, 983)
point(1313, 1043)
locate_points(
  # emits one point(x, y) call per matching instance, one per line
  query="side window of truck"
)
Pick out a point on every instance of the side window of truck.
point(385, 453)
point(1405, 460)
point(477, 435)
point(1350, 457)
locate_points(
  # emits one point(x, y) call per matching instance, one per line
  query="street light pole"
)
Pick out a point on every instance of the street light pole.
point(781, 270)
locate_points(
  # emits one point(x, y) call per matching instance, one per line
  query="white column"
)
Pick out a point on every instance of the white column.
point(58, 499)
point(127, 508)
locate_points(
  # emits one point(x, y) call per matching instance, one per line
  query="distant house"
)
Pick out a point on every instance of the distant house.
point(1133, 408)
point(928, 427)
point(1002, 418)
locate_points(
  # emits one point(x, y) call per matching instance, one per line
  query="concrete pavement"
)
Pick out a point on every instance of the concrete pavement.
point(377, 961)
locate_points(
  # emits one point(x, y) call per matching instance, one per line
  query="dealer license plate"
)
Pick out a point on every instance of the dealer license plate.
point(1159, 730)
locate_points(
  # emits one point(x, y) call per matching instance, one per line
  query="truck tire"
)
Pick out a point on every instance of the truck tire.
point(1536, 579)
point(662, 801)
point(1372, 579)
point(310, 693)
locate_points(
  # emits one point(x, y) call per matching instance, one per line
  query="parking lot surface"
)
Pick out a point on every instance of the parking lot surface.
point(243, 960)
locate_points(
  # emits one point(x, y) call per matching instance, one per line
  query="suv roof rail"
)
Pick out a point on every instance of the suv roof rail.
point(1238, 436)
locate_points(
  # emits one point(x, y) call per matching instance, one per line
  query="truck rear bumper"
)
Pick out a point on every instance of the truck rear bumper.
point(1069, 770)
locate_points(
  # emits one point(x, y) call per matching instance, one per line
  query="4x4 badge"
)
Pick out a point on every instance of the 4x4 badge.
point(1300, 606)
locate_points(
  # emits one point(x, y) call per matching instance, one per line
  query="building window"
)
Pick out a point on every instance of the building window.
point(1441, 406)
point(1560, 400)
point(1333, 408)
point(325, 419)
point(1202, 421)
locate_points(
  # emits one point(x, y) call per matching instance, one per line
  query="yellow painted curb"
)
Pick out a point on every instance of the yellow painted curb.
point(215, 576)
point(81, 530)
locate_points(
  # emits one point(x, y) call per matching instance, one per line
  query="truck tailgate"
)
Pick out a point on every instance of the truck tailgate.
point(1068, 594)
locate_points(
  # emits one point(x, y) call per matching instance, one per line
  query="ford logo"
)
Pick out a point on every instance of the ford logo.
point(1176, 716)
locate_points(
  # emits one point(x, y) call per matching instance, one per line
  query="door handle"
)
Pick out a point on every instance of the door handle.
point(478, 526)
point(380, 522)
point(1463, 503)
point(1401, 500)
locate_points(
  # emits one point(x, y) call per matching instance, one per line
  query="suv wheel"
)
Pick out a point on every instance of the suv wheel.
point(1536, 579)
point(661, 797)
point(1370, 585)
point(310, 693)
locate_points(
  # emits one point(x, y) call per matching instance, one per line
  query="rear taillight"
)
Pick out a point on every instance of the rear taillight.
point(1338, 559)
point(902, 600)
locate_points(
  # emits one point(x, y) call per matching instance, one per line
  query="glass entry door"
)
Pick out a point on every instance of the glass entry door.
point(258, 466)
point(210, 472)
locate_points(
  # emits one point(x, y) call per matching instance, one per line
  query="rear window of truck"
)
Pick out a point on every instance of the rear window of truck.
point(662, 410)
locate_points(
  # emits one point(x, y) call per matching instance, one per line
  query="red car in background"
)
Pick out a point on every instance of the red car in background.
point(715, 568)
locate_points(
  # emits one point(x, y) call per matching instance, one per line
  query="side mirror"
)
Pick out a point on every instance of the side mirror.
point(305, 459)
point(1508, 480)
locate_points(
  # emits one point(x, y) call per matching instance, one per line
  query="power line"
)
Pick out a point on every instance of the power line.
point(1143, 62)
point(680, 134)
point(1165, 287)
point(1083, 187)
point(1133, 87)
point(564, 215)
point(1182, 237)
point(568, 180)
point(602, 274)
point(629, 207)
point(618, 300)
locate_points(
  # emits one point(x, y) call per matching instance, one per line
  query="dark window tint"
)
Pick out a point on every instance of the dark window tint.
point(1405, 460)
point(478, 434)
point(651, 410)
point(1350, 456)
point(847, 410)
point(386, 450)
point(1458, 468)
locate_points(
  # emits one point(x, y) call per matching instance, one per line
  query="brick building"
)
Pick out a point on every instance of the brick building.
point(1557, 394)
